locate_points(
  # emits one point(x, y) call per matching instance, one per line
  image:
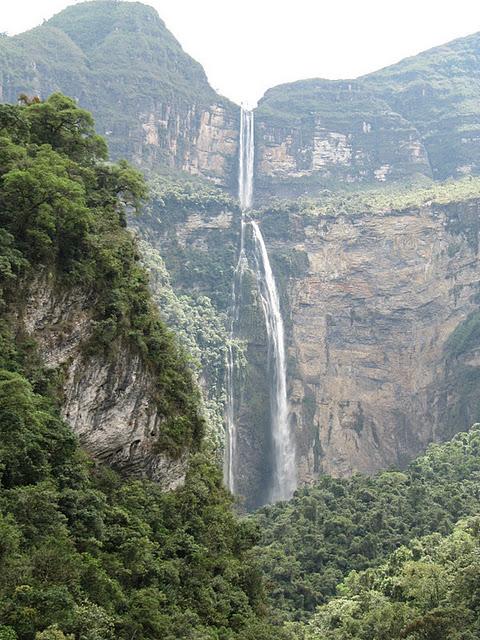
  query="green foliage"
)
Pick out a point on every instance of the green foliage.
point(466, 335)
point(63, 209)
point(198, 262)
point(86, 555)
point(202, 332)
point(428, 590)
point(379, 200)
point(336, 526)
point(177, 198)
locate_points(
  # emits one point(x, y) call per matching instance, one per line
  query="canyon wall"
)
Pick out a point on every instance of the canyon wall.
point(109, 398)
point(382, 317)
point(382, 325)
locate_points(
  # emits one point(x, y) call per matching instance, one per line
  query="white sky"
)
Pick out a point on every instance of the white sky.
point(247, 46)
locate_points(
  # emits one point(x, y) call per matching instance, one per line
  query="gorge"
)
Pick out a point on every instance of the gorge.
point(374, 258)
point(282, 483)
point(239, 377)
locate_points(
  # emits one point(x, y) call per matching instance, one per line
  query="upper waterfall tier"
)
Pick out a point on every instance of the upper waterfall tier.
point(246, 157)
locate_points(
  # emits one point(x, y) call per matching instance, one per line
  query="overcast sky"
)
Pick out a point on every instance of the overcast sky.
point(247, 46)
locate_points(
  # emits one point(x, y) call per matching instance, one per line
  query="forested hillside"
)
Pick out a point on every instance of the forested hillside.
point(83, 552)
point(323, 328)
point(311, 542)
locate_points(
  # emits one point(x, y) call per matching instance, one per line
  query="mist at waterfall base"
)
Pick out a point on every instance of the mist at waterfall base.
point(283, 479)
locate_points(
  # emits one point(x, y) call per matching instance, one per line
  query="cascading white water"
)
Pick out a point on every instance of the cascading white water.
point(245, 195)
point(246, 159)
point(284, 477)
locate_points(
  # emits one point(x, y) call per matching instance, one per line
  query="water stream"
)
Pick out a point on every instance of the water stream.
point(283, 472)
point(284, 477)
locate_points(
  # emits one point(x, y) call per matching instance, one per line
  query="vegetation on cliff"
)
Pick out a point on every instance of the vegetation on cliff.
point(179, 213)
point(63, 209)
point(379, 200)
point(84, 553)
point(438, 91)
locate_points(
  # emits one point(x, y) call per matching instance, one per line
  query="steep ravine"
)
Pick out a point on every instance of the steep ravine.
point(375, 306)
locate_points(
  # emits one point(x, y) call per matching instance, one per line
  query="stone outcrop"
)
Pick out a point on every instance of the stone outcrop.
point(372, 317)
point(199, 140)
point(108, 398)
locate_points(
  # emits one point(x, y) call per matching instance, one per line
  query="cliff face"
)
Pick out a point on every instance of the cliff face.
point(380, 316)
point(150, 100)
point(418, 117)
point(108, 399)
point(317, 132)
point(374, 318)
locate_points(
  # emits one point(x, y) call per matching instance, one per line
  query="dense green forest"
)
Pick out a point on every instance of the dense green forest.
point(427, 590)
point(86, 554)
point(310, 543)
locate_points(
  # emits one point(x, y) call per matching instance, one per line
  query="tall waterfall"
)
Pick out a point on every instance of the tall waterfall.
point(284, 477)
point(245, 195)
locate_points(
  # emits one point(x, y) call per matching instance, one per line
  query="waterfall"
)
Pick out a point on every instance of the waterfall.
point(245, 196)
point(246, 159)
point(284, 477)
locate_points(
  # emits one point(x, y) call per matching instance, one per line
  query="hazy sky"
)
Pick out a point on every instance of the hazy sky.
point(247, 46)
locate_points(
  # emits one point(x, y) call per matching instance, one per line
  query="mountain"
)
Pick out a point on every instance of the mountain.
point(411, 121)
point(376, 264)
point(418, 117)
point(438, 91)
point(317, 133)
point(150, 99)
point(117, 329)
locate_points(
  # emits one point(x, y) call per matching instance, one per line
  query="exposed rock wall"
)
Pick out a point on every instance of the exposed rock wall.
point(108, 399)
point(370, 302)
point(373, 378)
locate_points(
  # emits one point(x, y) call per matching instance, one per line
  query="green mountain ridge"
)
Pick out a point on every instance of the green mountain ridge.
point(118, 60)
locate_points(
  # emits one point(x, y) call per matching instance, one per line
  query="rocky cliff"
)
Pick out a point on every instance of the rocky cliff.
point(108, 398)
point(76, 310)
point(418, 117)
point(383, 331)
point(313, 133)
point(380, 302)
